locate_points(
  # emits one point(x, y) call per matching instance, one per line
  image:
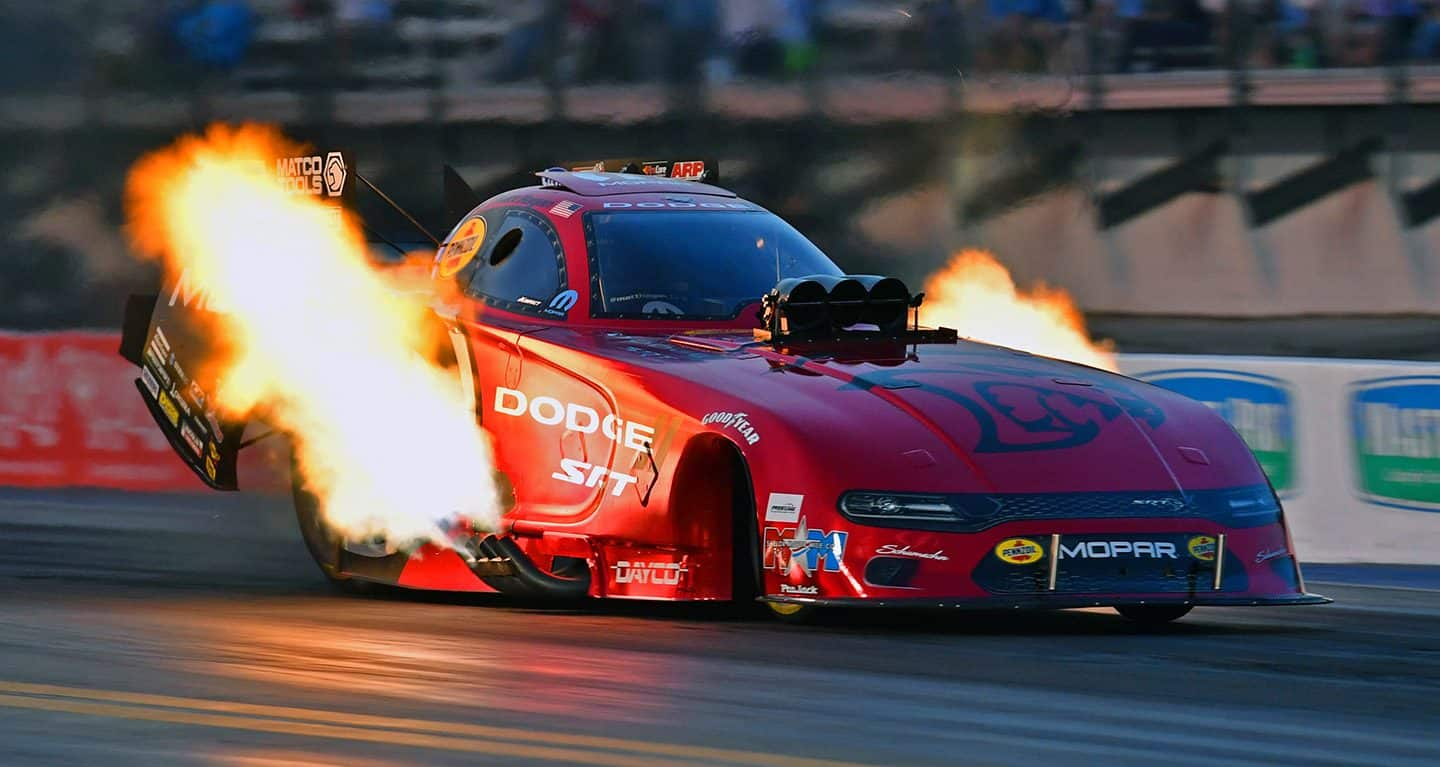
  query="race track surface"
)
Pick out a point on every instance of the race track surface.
point(144, 630)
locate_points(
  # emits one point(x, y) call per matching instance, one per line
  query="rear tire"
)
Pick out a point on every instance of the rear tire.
point(321, 540)
point(1153, 615)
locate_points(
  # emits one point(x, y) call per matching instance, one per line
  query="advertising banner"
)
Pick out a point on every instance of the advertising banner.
point(1353, 447)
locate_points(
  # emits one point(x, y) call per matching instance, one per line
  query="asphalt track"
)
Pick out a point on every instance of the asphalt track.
point(194, 630)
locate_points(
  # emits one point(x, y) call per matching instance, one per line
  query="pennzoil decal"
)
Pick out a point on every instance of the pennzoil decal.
point(1019, 551)
point(462, 247)
point(1202, 547)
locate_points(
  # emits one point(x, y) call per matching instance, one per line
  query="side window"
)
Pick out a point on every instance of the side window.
point(522, 266)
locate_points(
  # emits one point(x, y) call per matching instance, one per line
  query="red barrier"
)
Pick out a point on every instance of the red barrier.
point(70, 416)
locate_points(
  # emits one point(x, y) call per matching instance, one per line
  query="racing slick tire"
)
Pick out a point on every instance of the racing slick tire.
point(1153, 615)
point(321, 540)
point(794, 613)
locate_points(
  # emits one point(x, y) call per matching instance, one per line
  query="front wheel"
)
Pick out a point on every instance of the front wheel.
point(1153, 615)
point(321, 540)
point(793, 612)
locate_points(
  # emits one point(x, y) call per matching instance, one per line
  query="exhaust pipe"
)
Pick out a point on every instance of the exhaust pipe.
point(527, 579)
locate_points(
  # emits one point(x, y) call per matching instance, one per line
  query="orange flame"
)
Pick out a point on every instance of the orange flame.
point(976, 295)
point(317, 340)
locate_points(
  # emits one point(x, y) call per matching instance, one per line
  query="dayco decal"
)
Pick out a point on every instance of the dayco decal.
point(1118, 549)
point(1395, 428)
point(892, 550)
point(740, 422)
point(1019, 551)
point(314, 175)
point(810, 549)
point(549, 411)
point(1258, 407)
point(657, 573)
point(582, 473)
point(1202, 547)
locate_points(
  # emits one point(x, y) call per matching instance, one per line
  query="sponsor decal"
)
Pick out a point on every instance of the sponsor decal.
point(1159, 504)
point(162, 343)
point(655, 573)
point(673, 204)
point(740, 422)
point(461, 249)
point(191, 438)
point(892, 550)
point(563, 302)
point(784, 507)
point(1260, 408)
point(146, 377)
point(179, 400)
point(549, 411)
point(1202, 547)
point(192, 295)
point(211, 468)
point(528, 301)
point(799, 546)
point(589, 475)
point(1395, 433)
point(1019, 551)
point(790, 588)
point(565, 208)
point(317, 175)
point(214, 422)
point(687, 170)
point(1266, 554)
point(197, 394)
point(168, 407)
point(1118, 550)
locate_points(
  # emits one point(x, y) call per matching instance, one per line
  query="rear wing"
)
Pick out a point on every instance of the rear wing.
point(706, 170)
point(175, 337)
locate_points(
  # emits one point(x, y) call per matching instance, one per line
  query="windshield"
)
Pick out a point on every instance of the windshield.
point(693, 264)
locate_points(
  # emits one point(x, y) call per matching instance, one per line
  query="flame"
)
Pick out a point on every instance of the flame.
point(976, 295)
point(317, 340)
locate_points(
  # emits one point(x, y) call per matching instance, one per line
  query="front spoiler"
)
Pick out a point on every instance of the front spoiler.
point(1057, 602)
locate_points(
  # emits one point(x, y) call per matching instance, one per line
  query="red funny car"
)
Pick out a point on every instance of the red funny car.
point(690, 401)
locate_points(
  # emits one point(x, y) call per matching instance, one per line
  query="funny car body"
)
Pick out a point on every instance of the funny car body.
point(690, 401)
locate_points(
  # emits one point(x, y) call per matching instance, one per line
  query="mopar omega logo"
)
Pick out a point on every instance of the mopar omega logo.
point(1395, 429)
point(1259, 408)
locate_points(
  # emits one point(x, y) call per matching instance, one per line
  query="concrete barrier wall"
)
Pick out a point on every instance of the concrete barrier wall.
point(1352, 446)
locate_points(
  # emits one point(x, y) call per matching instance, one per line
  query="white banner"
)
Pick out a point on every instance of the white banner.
point(1353, 446)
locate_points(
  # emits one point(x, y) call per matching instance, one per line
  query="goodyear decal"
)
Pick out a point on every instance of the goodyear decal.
point(1202, 547)
point(1260, 409)
point(1395, 441)
point(463, 246)
point(171, 412)
point(1019, 551)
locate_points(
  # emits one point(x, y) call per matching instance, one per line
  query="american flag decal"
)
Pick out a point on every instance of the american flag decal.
point(565, 209)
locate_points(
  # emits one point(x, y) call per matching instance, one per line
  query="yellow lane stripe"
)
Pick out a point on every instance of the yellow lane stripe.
point(400, 738)
point(354, 721)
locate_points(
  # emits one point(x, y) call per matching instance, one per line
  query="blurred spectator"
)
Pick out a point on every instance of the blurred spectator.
point(599, 33)
point(751, 32)
point(216, 33)
point(1426, 45)
point(1165, 34)
point(690, 29)
point(1023, 33)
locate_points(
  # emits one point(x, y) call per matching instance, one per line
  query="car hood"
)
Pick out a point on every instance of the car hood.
point(959, 417)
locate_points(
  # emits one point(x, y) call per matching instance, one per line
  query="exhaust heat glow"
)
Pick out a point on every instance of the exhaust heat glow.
point(976, 295)
point(319, 343)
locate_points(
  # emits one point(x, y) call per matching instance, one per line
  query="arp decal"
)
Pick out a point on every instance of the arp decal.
point(1259, 408)
point(1018, 417)
point(1202, 547)
point(808, 549)
point(1395, 434)
point(1019, 551)
point(461, 249)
